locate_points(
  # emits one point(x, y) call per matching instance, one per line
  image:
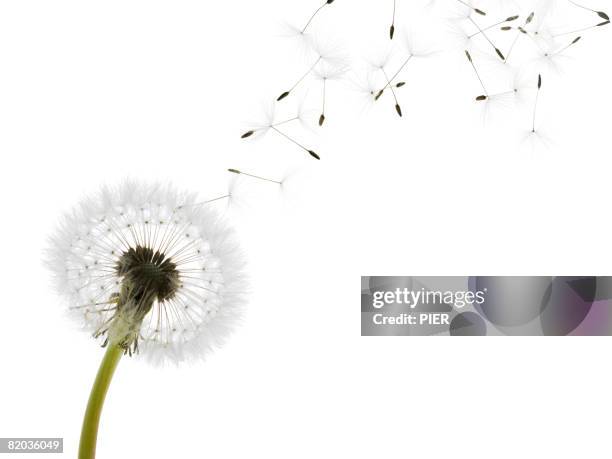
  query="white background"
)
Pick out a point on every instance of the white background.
point(93, 92)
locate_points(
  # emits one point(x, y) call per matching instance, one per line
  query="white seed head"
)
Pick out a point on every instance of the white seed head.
point(151, 269)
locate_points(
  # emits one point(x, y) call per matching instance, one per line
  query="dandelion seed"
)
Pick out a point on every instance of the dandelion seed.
point(261, 128)
point(476, 10)
point(395, 75)
point(295, 142)
point(584, 29)
point(535, 105)
point(412, 53)
point(285, 94)
point(601, 14)
point(572, 43)
point(392, 28)
point(322, 117)
point(469, 57)
point(328, 2)
point(238, 172)
point(329, 56)
point(274, 127)
point(398, 108)
point(326, 73)
point(147, 272)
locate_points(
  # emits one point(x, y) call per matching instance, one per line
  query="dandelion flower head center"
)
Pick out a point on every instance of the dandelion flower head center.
point(148, 275)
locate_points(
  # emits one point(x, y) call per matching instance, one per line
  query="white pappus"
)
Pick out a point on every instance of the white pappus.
point(151, 269)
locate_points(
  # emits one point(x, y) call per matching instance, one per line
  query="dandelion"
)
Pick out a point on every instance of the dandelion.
point(148, 271)
point(535, 106)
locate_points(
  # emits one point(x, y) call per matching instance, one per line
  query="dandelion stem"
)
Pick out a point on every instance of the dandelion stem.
point(89, 432)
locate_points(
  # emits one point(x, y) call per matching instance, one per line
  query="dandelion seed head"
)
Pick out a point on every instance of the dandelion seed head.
point(150, 269)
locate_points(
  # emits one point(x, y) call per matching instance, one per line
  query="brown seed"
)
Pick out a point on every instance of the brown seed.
point(314, 155)
point(321, 120)
point(481, 98)
point(247, 134)
point(282, 96)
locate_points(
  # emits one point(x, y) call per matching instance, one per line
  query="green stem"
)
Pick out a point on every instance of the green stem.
point(89, 432)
